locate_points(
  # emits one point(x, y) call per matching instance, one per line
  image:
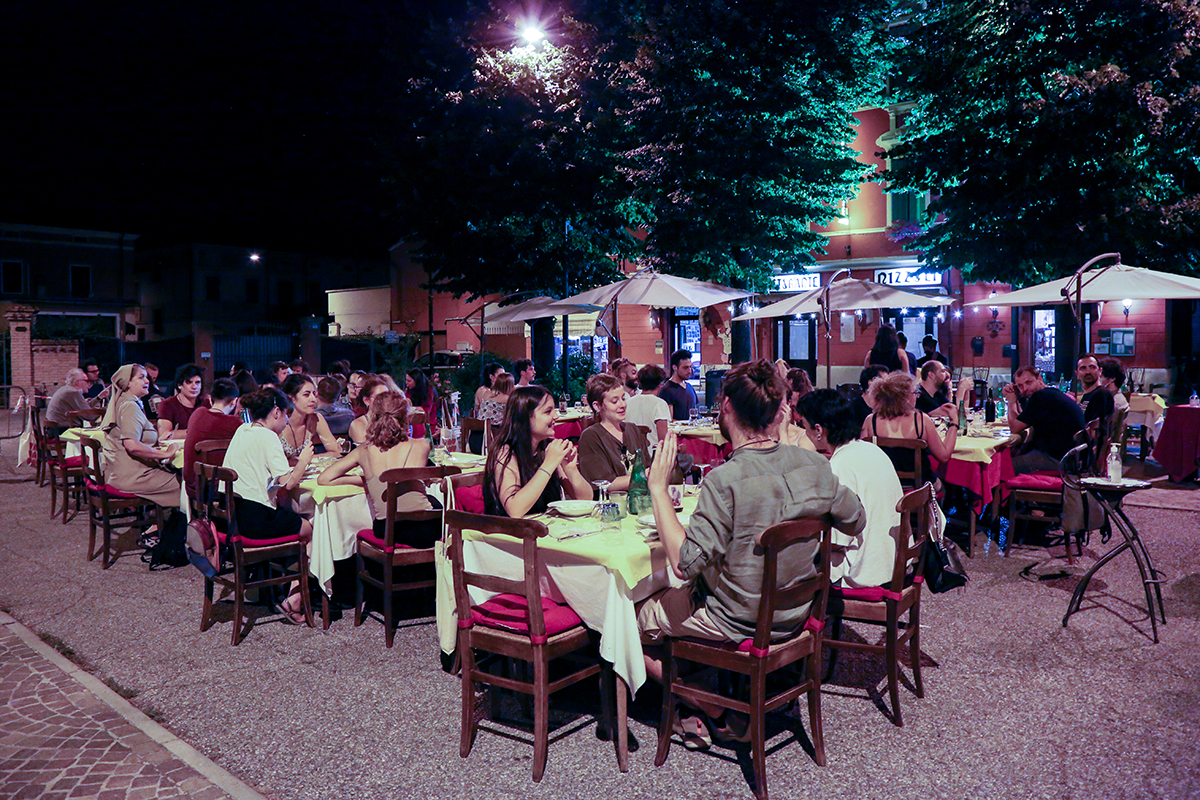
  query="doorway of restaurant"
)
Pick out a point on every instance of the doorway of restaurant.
point(796, 343)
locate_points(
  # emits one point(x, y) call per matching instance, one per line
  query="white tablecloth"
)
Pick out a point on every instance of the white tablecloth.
point(336, 522)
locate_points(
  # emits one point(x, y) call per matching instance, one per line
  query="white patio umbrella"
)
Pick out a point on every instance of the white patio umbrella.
point(536, 308)
point(1111, 283)
point(848, 294)
point(650, 288)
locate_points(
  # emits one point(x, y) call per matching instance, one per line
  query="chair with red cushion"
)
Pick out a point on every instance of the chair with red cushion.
point(516, 623)
point(389, 555)
point(896, 606)
point(67, 474)
point(41, 455)
point(107, 505)
point(214, 501)
point(466, 492)
point(758, 657)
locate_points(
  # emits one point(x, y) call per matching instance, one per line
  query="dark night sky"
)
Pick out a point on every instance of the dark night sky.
point(240, 123)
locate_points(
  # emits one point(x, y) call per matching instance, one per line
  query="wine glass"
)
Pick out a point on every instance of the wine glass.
point(693, 415)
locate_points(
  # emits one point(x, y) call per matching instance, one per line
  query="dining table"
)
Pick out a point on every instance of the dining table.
point(981, 462)
point(570, 423)
point(74, 436)
point(703, 440)
point(1178, 445)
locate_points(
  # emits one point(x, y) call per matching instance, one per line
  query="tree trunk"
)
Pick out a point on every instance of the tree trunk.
point(543, 347)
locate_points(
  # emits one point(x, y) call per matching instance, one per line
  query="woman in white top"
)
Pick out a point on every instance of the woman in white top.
point(387, 446)
point(256, 454)
point(648, 409)
point(304, 424)
point(830, 423)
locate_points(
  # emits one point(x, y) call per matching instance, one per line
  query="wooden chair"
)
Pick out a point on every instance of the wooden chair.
point(416, 416)
point(886, 605)
point(517, 623)
point(41, 454)
point(214, 500)
point(908, 479)
point(212, 451)
point(389, 555)
point(758, 657)
point(67, 474)
point(467, 426)
point(107, 505)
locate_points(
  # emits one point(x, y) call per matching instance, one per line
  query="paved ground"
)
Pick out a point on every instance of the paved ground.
point(1016, 705)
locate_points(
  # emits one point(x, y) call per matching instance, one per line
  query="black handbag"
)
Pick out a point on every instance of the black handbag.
point(941, 566)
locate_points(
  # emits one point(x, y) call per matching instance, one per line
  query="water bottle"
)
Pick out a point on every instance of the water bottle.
point(962, 417)
point(1194, 400)
point(989, 409)
point(1114, 464)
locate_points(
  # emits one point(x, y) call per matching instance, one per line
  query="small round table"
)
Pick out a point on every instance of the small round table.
point(1109, 495)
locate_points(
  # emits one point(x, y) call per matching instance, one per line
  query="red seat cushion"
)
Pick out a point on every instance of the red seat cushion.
point(469, 499)
point(73, 461)
point(222, 537)
point(368, 535)
point(110, 491)
point(1039, 481)
point(511, 612)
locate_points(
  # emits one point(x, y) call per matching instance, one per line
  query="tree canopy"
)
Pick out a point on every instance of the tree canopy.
point(742, 110)
point(1052, 132)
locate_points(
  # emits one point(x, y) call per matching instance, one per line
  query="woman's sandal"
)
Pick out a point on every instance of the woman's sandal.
point(290, 615)
point(693, 731)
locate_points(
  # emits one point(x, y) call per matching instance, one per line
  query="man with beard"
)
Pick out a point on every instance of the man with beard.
point(626, 372)
point(760, 484)
point(1055, 417)
point(1097, 401)
point(933, 392)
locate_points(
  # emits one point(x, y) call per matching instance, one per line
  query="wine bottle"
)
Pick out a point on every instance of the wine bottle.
point(989, 409)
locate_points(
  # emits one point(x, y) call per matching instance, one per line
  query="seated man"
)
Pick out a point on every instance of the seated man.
point(1095, 399)
point(762, 483)
point(337, 415)
point(935, 393)
point(626, 372)
point(867, 471)
point(1054, 417)
point(68, 408)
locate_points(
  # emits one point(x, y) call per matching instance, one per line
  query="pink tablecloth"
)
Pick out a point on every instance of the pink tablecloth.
point(567, 430)
point(1178, 445)
point(703, 451)
point(980, 479)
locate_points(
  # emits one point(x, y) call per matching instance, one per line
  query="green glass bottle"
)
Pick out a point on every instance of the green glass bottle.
point(639, 489)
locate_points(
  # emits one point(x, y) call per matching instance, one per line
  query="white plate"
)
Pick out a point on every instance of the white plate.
point(648, 520)
point(573, 508)
point(463, 459)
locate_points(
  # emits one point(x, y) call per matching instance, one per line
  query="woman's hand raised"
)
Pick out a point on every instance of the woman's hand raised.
point(664, 464)
point(558, 451)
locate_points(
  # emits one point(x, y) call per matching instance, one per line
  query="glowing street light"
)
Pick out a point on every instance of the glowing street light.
point(532, 34)
point(255, 257)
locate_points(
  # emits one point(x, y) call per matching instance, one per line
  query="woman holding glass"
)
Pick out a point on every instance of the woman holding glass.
point(607, 447)
point(527, 467)
point(388, 446)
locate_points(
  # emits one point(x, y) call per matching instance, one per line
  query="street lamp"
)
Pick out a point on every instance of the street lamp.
point(533, 35)
point(1126, 303)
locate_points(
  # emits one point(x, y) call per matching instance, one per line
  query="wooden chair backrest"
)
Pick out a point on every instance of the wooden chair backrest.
point(908, 479)
point(398, 481)
point(467, 426)
point(462, 481)
point(212, 451)
point(212, 500)
point(90, 450)
point(529, 587)
point(916, 518)
point(815, 590)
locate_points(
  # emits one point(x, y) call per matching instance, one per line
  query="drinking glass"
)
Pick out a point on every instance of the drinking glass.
point(693, 415)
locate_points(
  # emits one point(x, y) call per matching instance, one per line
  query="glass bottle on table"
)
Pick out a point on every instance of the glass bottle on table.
point(962, 417)
point(639, 487)
point(989, 409)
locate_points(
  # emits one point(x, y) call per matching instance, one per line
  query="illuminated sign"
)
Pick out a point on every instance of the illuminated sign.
point(797, 283)
point(908, 276)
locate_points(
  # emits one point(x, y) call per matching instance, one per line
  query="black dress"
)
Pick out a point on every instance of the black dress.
point(902, 458)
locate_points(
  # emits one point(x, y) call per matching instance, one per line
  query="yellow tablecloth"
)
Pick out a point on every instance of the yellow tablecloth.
point(977, 449)
point(1151, 406)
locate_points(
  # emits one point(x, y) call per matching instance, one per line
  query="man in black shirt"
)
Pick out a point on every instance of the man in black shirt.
point(869, 373)
point(933, 392)
point(1096, 400)
point(678, 393)
point(1054, 416)
point(929, 345)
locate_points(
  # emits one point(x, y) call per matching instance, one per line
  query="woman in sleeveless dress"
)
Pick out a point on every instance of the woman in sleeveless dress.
point(894, 398)
point(886, 351)
point(527, 467)
point(387, 446)
point(305, 426)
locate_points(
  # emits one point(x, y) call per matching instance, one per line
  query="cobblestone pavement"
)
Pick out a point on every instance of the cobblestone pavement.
point(63, 734)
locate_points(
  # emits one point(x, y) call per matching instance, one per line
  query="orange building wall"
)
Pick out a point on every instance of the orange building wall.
point(1149, 318)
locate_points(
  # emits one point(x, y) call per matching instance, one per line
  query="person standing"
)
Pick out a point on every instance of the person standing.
point(902, 337)
point(648, 409)
point(929, 345)
point(887, 351)
point(678, 393)
point(626, 372)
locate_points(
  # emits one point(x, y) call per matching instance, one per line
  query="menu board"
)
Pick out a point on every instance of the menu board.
point(1116, 342)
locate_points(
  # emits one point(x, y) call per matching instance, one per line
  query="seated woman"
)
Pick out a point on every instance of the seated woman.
point(131, 462)
point(175, 411)
point(256, 454)
point(388, 447)
point(304, 423)
point(421, 394)
point(604, 446)
point(527, 467)
point(485, 388)
point(894, 398)
point(491, 409)
point(831, 425)
point(372, 387)
point(789, 428)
